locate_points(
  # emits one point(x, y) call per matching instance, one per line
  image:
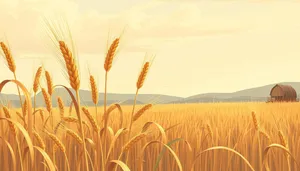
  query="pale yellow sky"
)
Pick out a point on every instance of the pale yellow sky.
point(201, 46)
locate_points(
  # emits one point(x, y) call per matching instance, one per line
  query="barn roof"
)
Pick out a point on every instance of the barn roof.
point(288, 90)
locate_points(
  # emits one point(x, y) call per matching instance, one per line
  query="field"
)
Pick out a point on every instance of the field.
point(201, 126)
point(187, 137)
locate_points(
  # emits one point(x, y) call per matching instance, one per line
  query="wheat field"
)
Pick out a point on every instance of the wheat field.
point(184, 137)
point(192, 128)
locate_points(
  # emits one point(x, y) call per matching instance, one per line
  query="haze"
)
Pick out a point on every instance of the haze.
point(200, 46)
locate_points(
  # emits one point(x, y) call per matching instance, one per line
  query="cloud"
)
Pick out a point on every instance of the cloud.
point(148, 24)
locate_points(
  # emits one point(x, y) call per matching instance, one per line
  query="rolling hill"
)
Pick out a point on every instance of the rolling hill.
point(252, 94)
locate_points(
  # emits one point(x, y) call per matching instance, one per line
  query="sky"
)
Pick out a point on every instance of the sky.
point(200, 46)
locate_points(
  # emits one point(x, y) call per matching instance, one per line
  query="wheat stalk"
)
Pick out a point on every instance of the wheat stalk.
point(14, 131)
point(107, 66)
point(24, 108)
point(256, 126)
point(36, 84)
point(95, 95)
point(140, 112)
point(111, 54)
point(11, 125)
point(48, 103)
point(143, 75)
point(59, 144)
point(70, 119)
point(39, 139)
point(10, 60)
point(139, 84)
point(42, 115)
point(285, 144)
point(94, 90)
point(75, 84)
point(255, 122)
point(108, 111)
point(210, 132)
point(133, 141)
point(47, 100)
point(74, 135)
point(11, 65)
point(282, 139)
point(49, 83)
point(61, 107)
point(70, 65)
point(37, 77)
point(91, 119)
point(263, 133)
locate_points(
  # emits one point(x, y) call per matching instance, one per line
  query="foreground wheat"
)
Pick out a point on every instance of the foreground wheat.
point(75, 84)
point(11, 65)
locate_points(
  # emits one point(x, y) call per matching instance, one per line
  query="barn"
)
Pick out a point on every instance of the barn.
point(283, 93)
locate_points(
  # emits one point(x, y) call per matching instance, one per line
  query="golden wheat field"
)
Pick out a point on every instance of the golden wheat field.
point(189, 129)
point(186, 137)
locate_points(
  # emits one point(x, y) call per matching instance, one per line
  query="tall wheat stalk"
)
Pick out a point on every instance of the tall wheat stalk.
point(36, 84)
point(75, 84)
point(257, 132)
point(284, 143)
point(139, 85)
point(11, 65)
point(49, 83)
point(50, 91)
point(95, 98)
point(48, 103)
point(107, 66)
point(94, 91)
point(14, 132)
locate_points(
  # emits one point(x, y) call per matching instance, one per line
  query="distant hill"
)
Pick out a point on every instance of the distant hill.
point(252, 94)
point(86, 98)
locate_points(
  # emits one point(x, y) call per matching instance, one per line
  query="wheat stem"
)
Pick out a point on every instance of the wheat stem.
point(133, 108)
point(82, 131)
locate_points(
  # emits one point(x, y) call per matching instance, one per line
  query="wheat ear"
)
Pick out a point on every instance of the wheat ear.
point(49, 83)
point(11, 125)
point(11, 65)
point(14, 131)
point(61, 107)
point(75, 84)
point(70, 65)
point(139, 85)
point(91, 119)
point(37, 77)
point(24, 108)
point(210, 132)
point(47, 100)
point(143, 75)
point(94, 89)
point(255, 122)
point(39, 139)
point(75, 136)
point(57, 142)
point(257, 130)
point(140, 112)
point(70, 119)
point(111, 54)
point(36, 85)
point(10, 60)
point(95, 95)
point(133, 141)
